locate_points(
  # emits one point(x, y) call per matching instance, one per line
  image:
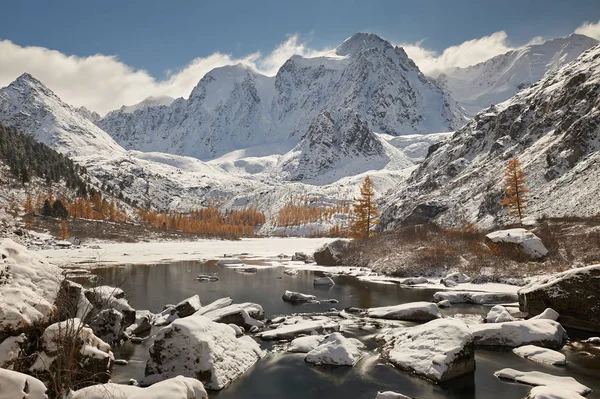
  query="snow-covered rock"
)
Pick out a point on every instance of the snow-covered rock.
point(336, 350)
point(546, 333)
point(305, 344)
point(415, 281)
point(390, 395)
point(523, 241)
point(188, 306)
point(541, 355)
point(245, 315)
point(173, 388)
point(199, 348)
point(412, 311)
point(166, 317)
point(29, 289)
point(552, 392)
point(10, 349)
point(537, 378)
point(298, 297)
point(330, 254)
point(574, 294)
point(498, 314)
point(143, 323)
point(438, 350)
point(94, 358)
point(458, 277)
point(16, 385)
point(548, 314)
point(111, 313)
point(291, 331)
point(323, 281)
point(475, 297)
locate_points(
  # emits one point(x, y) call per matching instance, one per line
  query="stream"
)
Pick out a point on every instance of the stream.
point(284, 375)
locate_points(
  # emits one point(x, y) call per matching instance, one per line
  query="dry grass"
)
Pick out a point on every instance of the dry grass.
point(430, 250)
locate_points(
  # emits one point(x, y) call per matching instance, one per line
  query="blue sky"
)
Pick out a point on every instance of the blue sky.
point(164, 37)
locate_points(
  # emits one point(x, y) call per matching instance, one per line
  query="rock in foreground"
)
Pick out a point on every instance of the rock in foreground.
point(14, 385)
point(475, 297)
point(574, 294)
point(199, 348)
point(413, 311)
point(438, 350)
point(174, 388)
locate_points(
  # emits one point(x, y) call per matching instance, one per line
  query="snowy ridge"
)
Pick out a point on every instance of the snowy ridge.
point(499, 78)
point(553, 128)
point(152, 101)
point(235, 107)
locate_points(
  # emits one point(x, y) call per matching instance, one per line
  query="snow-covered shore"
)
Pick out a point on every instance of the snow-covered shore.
point(108, 254)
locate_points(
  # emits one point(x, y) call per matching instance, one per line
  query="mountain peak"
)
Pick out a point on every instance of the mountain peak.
point(361, 41)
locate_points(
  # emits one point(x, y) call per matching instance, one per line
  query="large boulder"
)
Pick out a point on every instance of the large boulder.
point(72, 342)
point(330, 254)
point(110, 313)
point(438, 350)
point(518, 243)
point(174, 388)
point(336, 350)
point(200, 348)
point(574, 294)
point(188, 306)
point(14, 385)
point(412, 311)
point(28, 289)
point(545, 333)
point(298, 297)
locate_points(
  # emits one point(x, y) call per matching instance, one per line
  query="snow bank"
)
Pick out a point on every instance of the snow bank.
point(438, 350)
point(413, 311)
point(541, 355)
point(29, 288)
point(20, 386)
point(174, 388)
point(546, 333)
point(305, 344)
point(475, 297)
point(537, 378)
point(498, 314)
point(199, 348)
point(336, 350)
point(524, 240)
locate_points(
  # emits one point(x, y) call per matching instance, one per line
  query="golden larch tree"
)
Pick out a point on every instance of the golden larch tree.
point(515, 189)
point(365, 211)
point(63, 233)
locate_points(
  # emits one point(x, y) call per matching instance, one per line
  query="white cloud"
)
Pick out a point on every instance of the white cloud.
point(590, 29)
point(467, 53)
point(103, 83)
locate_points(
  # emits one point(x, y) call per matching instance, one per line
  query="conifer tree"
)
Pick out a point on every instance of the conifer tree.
point(515, 189)
point(63, 233)
point(365, 210)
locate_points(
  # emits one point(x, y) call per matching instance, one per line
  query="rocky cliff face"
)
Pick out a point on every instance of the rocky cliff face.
point(553, 128)
point(235, 107)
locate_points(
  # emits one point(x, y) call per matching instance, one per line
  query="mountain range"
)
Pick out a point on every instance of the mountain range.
point(321, 124)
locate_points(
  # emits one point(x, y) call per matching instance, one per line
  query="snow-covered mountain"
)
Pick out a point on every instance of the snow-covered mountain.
point(553, 127)
point(235, 107)
point(152, 101)
point(250, 177)
point(499, 78)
